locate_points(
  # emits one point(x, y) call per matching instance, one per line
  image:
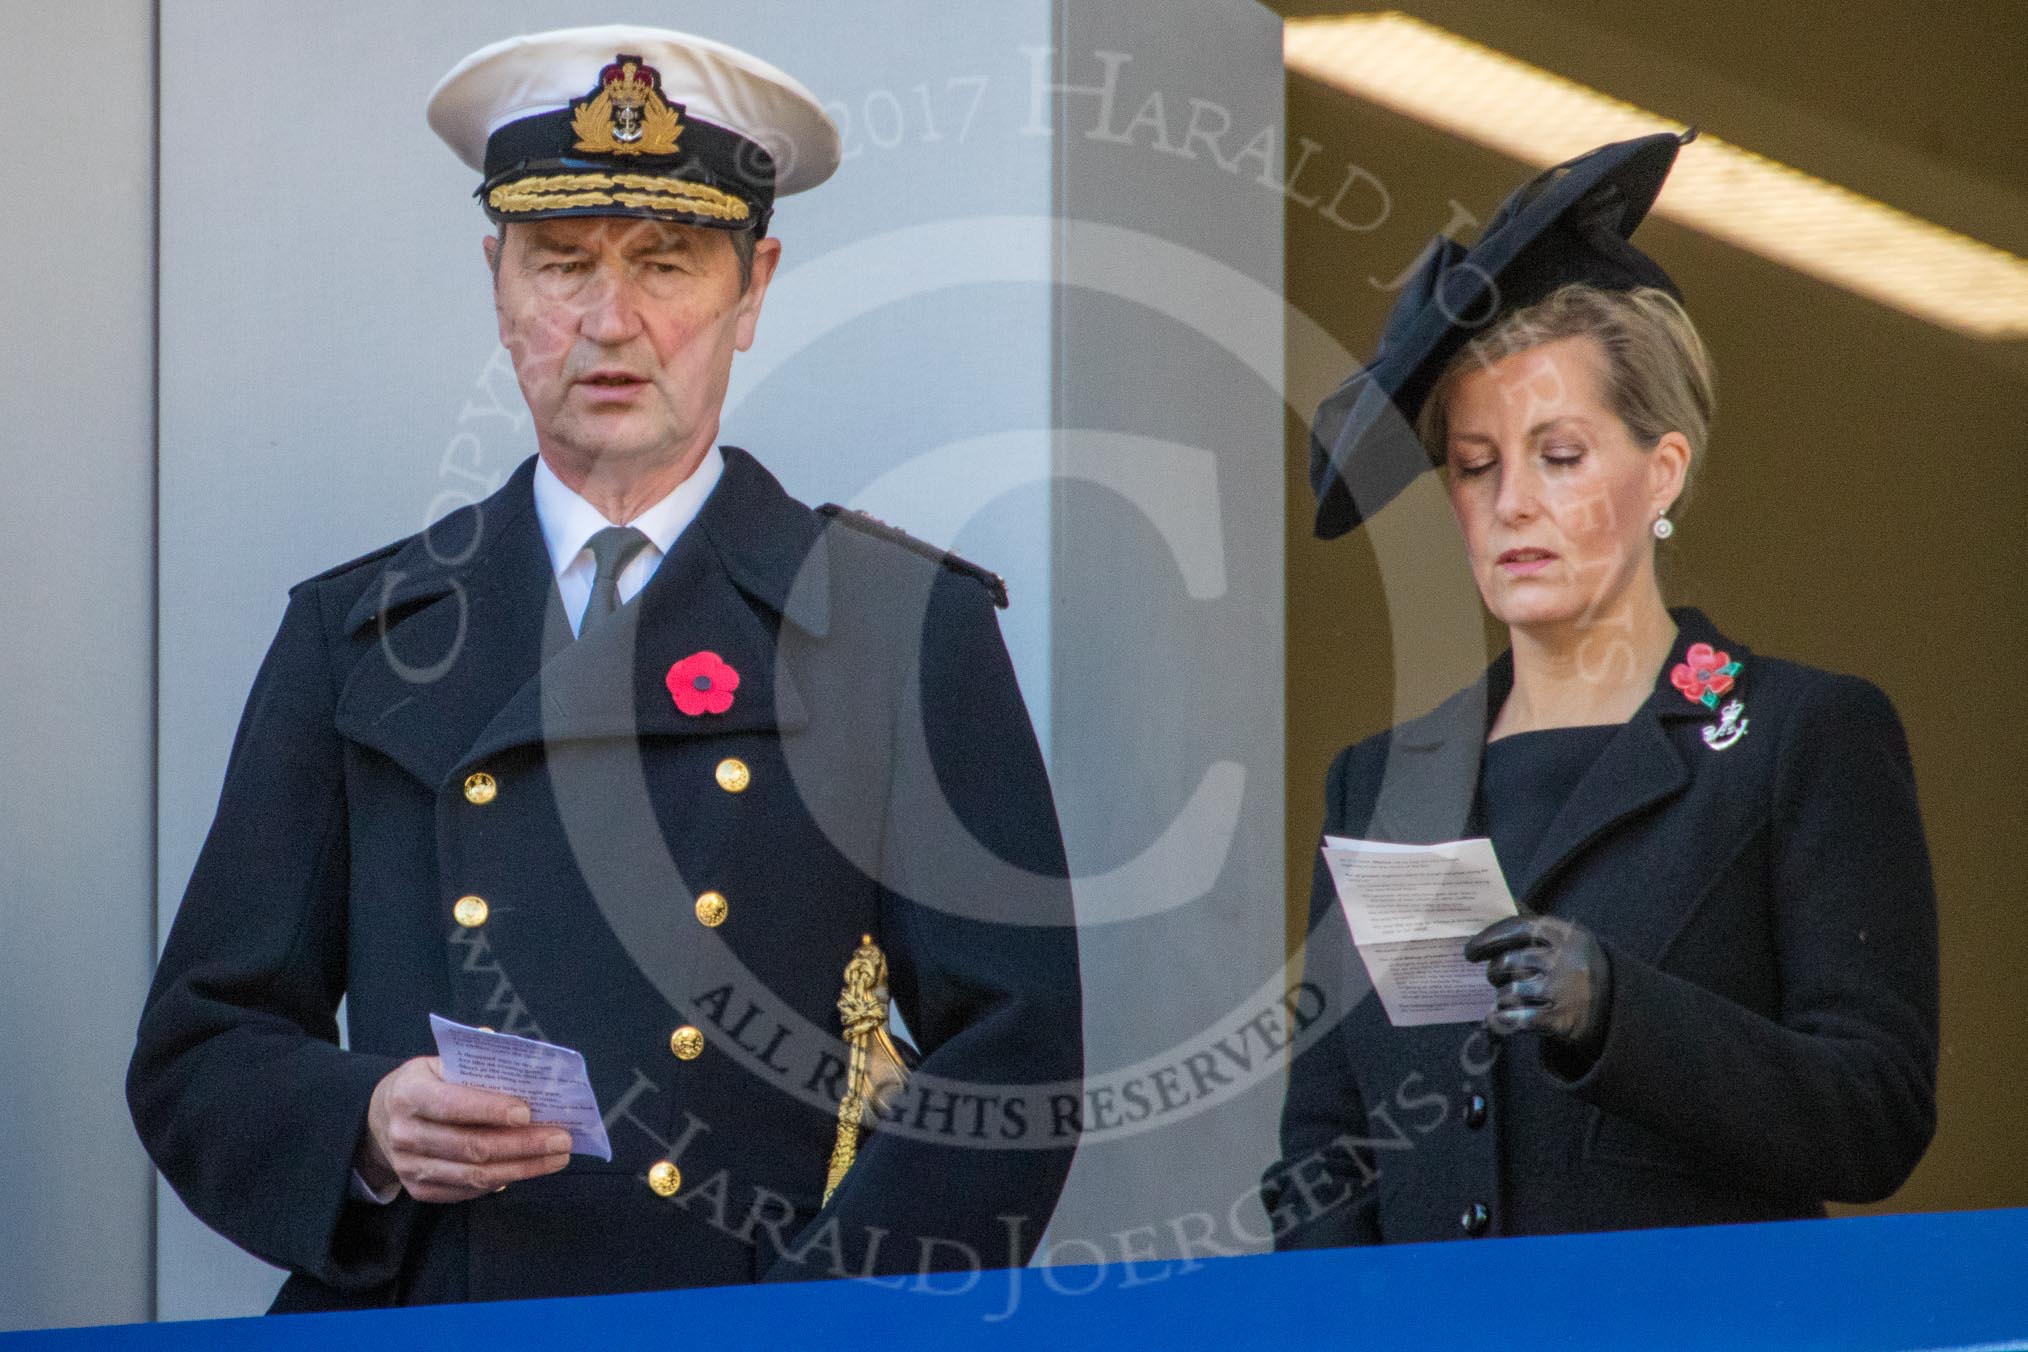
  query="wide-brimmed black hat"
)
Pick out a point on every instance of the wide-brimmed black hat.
point(1567, 224)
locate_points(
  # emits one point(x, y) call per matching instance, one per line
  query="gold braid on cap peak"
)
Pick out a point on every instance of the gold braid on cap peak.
point(561, 192)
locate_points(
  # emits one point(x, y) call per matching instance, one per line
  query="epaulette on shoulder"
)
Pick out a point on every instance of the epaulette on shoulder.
point(995, 585)
point(371, 556)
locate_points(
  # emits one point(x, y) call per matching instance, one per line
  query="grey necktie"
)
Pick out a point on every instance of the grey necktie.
point(612, 549)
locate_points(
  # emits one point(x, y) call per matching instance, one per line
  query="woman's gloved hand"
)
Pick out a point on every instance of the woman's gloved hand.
point(1552, 978)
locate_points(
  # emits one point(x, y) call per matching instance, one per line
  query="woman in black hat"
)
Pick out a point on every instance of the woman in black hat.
point(1719, 999)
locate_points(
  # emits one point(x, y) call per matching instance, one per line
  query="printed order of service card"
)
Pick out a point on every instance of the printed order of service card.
point(1411, 908)
point(550, 1078)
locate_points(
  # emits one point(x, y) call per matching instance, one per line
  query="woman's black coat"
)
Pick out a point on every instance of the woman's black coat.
point(1767, 908)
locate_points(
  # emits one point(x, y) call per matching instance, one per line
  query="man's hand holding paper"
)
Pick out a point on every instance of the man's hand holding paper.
point(488, 1110)
point(446, 1142)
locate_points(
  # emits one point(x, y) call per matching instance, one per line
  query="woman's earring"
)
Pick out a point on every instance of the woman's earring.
point(1664, 527)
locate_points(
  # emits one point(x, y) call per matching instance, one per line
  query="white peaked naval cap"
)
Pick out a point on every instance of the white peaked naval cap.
point(632, 121)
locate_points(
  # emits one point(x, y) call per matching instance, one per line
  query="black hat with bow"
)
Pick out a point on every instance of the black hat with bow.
point(1568, 224)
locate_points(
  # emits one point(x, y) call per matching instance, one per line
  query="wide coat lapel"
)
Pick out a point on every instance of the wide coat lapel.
point(457, 622)
point(1639, 769)
point(1431, 779)
point(725, 581)
point(472, 654)
point(1429, 786)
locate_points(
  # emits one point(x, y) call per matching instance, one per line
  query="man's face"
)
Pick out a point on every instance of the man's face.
point(622, 333)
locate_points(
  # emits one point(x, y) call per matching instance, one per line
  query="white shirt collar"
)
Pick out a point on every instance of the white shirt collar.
point(569, 522)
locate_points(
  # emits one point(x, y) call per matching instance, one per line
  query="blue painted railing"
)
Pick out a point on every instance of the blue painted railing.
point(1900, 1282)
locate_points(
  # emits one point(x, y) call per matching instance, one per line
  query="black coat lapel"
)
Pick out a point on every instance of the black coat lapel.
point(469, 652)
point(457, 622)
point(1429, 787)
point(1639, 768)
point(1431, 780)
point(752, 556)
point(613, 683)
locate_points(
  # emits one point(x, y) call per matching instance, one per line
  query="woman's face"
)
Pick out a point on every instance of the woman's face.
point(1556, 501)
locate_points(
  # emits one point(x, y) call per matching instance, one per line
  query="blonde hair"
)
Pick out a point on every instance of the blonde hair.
point(1658, 375)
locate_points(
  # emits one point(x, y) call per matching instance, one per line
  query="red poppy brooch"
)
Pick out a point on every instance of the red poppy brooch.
point(702, 683)
point(1704, 674)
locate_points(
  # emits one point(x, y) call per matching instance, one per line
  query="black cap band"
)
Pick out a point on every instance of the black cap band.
point(717, 178)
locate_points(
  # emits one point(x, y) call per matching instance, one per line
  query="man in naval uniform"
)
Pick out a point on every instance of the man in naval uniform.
point(628, 757)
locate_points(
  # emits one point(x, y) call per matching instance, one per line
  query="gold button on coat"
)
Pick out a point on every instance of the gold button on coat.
point(481, 789)
point(470, 912)
point(687, 1043)
point(711, 909)
point(664, 1178)
point(733, 776)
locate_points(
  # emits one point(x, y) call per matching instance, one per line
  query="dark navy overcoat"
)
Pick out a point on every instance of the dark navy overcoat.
point(1759, 879)
point(439, 802)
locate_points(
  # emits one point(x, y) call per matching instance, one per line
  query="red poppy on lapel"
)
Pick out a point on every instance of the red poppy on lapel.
point(702, 683)
point(1704, 674)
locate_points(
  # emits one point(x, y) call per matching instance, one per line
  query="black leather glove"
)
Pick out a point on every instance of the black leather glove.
point(1552, 978)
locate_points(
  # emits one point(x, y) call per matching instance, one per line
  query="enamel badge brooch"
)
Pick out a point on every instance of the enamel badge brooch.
point(1730, 727)
point(1703, 675)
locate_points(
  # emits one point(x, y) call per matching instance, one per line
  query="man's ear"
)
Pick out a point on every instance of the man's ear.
point(495, 248)
point(767, 256)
